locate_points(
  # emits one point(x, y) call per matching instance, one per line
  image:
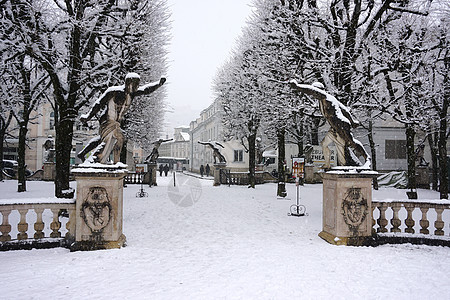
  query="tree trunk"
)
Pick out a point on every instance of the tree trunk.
point(4, 124)
point(373, 153)
point(434, 162)
point(442, 142)
point(281, 191)
point(315, 131)
point(411, 158)
point(442, 146)
point(123, 152)
point(63, 147)
point(251, 159)
point(2, 138)
point(300, 136)
point(22, 183)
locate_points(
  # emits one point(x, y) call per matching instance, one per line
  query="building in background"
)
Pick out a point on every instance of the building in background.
point(179, 147)
point(208, 127)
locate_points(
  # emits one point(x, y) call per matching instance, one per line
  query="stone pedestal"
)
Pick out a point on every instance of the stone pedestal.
point(309, 174)
point(152, 174)
point(49, 171)
point(217, 168)
point(422, 177)
point(99, 208)
point(347, 207)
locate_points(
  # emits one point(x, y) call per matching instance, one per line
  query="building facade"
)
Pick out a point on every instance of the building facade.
point(208, 127)
point(179, 147)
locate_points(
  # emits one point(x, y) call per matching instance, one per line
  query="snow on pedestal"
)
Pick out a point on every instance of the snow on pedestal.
point(99, 206)
point(347, 207)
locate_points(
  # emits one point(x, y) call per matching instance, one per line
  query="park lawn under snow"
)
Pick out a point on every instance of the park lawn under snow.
point(233, 243)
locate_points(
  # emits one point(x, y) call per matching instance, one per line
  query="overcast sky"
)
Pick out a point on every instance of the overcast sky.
point(203, 34)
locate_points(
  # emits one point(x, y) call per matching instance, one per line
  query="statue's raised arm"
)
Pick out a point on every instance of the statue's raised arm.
point(150, 87)
point(113, 104)
point(341, 122)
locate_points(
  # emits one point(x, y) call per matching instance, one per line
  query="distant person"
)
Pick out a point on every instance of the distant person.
point(166, 169)
point(202, 170)
point(161, 170)
point(207, 169)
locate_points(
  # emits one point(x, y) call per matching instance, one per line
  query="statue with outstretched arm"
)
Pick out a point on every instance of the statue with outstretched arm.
point(341, 122)
point(152, 157)
point(216, 153)
point(113, 104)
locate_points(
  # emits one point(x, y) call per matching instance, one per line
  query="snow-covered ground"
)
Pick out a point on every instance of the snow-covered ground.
point(202, 242)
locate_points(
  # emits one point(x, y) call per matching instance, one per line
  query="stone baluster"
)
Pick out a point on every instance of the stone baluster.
point(439, 224)
point(373, 220)
point(22, 227)
point(424, 223)
point(70, 225)
point(39, 225)
point(395, 222)
point(55, 225)
point(5, 228)
point(382, 222)
point(409, 221)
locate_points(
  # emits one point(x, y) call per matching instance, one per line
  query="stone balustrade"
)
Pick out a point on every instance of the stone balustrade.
point(410, 216)
point(44, 219)
point(135, 178)
point(241, 178)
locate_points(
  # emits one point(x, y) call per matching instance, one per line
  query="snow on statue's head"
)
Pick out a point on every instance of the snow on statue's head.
point(132, 82)
point(318, 85)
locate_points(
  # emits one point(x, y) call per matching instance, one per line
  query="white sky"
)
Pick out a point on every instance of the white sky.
point(203, 34)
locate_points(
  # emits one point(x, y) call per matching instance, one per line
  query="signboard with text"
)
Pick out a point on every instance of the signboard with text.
point(298, 167)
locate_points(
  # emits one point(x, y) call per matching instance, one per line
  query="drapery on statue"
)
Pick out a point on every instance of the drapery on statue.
point(216, 153)
point(152, 157)
point(114, 102)
point(341, 122)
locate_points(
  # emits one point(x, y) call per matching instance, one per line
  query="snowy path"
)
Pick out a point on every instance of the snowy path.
point(233, 243)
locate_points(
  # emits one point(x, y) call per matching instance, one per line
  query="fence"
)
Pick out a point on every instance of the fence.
point(241, 178)
point(411, 219)
point(52, 225)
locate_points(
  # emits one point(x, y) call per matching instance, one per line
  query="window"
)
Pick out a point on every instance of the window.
point(52, 120)
point(238, 155)
point(395, 149)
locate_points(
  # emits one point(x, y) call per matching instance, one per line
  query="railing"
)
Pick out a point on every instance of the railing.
point(49, 221)
point(241, 178)
point(411, 216)
point(135, 178)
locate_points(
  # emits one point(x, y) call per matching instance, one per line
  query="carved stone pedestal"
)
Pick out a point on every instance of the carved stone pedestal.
point(49, 171)
point(152, 166)
point(99, 207)
point(217, 168)
point(347, 207)
point(422, 177)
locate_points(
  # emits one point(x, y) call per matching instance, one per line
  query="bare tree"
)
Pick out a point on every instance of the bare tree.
point(84, 47)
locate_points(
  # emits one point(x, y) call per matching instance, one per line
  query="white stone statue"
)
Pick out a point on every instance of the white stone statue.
point(113, 104)
point(341, 122)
